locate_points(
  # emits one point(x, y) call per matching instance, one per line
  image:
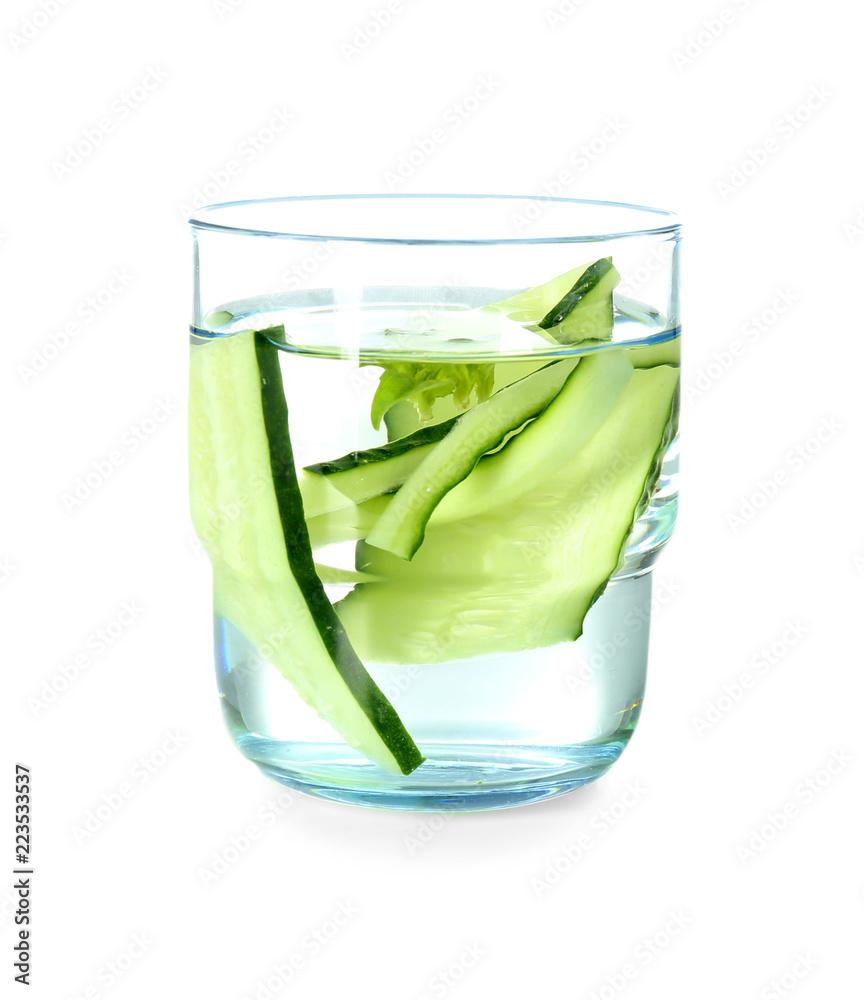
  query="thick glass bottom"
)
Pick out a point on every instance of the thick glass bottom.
point(454, 777)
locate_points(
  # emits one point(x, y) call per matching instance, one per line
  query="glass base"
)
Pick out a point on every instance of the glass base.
point(454, 778)
point(497, 731)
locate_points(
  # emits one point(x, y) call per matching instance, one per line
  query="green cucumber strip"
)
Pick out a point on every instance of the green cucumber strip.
point(382, 453)
point(573, 417)
point(522, 575)
point(365, 691)
point(569, 308)
point(586, 281)
point(533, 304)
point(360, 475)
point(591, 317)
point(264, 575)
point(401, 527)
point(366, 481)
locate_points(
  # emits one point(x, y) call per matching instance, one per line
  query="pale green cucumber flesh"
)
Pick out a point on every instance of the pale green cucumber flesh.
point(341, 577)
point(401, 527)
point(347, 524)
point(666, 353)
point(523, 575)
point(264, 576)
point(320, 496)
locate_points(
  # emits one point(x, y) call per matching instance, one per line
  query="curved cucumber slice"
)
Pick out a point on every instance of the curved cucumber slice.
point(361, 475)
point(264, 576)
point(586, 310)
point(401, 527)
point(394, 449)
point(522, 575)
point(575, 415)
point(534, 303)
point(572, 307)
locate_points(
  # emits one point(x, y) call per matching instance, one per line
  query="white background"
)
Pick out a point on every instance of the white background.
point(663, 901)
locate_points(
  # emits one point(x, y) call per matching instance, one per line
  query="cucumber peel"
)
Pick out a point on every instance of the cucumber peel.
point(264, 575)
point(585, 312)
point(570, 308)
point(361, 475)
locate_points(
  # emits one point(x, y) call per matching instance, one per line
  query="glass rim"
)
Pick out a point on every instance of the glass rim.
point(198, 222)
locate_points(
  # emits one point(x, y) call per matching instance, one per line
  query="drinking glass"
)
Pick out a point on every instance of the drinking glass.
point(433, 448)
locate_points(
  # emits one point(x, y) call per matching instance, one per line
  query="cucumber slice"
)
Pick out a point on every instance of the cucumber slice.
point(534, 303)
point(592, 289)
point(401, 527)
point(360, 475)
point(385, 452)
point(522, 575)
point(572, 307)
point(264, 576)
point(572, 418)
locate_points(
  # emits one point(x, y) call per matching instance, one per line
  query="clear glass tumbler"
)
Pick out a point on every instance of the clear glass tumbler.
point(433, 459)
